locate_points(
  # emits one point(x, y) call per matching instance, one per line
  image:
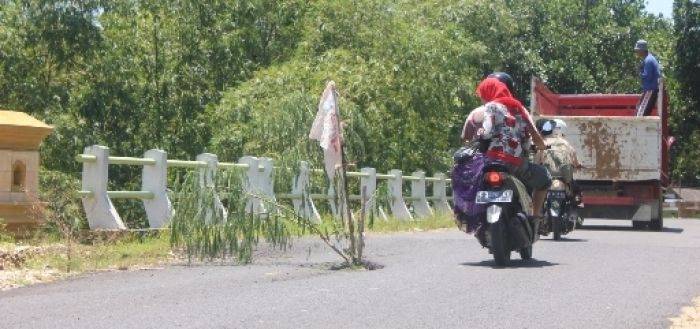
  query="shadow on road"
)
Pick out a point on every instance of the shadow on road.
point(533, 263)
point(565, 240)
point(628, 229)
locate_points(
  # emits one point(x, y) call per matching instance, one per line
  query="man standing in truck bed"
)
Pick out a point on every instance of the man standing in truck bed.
point(649, 72)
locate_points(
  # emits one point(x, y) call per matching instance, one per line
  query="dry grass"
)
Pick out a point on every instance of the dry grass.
point(689, 317)
point(425, 224)
point(44, 260)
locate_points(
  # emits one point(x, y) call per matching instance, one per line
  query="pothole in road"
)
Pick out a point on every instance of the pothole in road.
point(366, 265)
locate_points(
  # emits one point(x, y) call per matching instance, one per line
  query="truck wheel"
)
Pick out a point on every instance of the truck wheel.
point(639, 225)
point(657, 224)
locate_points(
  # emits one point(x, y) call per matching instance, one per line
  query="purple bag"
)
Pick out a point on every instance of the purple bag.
point(467, 178)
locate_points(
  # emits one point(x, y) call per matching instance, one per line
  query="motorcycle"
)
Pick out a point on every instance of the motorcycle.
point(561, 209)
point(506, 227)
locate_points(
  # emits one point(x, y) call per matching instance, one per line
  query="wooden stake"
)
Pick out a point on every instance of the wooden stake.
point(361, 224)
point(345, 201)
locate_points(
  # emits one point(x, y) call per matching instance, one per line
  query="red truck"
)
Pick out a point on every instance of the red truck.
point(625, 157)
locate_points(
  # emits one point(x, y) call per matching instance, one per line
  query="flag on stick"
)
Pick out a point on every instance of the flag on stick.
point(326, 130)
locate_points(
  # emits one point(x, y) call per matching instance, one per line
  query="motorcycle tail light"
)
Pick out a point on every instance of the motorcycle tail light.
point(494, 179)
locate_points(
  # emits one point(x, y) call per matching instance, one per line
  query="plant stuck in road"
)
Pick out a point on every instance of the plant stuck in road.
point(224, 220)
point(213, 225)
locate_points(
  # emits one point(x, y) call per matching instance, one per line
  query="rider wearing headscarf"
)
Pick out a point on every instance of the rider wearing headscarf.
point(509, 129)
point(476, 117)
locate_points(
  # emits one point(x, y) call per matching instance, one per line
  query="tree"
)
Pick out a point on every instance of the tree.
point(687, 106)
point(401, 91)
point(134, 75)
point(576, 46)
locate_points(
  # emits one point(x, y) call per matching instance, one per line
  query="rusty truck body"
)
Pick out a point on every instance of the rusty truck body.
point(625, 157)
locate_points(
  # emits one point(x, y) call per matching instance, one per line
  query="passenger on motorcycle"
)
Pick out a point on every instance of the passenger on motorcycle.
point(467, 173)
point(475, 119)
point(560, 157)
point(508, 128)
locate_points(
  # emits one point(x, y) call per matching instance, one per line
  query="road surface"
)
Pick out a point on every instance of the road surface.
point(604, 277)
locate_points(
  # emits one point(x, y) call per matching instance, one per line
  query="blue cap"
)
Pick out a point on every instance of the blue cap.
point(641, 45)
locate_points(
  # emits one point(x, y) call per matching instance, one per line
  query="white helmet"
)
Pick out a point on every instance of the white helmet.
point(560, 128)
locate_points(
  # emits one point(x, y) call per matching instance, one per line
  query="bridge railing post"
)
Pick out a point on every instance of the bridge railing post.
point(207, 182)
point(99, 210)
point(303, 203)
point(154, 179)
point(420, 202)
point(251, 185)
point(266, 183)
point(368, 182)
point(398, 206)
point(442, 204)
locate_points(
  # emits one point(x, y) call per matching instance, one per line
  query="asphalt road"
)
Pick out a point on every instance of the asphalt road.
point(604, 277)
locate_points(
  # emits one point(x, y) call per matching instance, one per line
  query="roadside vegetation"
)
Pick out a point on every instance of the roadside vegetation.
point(64, 246)
point(46, 256)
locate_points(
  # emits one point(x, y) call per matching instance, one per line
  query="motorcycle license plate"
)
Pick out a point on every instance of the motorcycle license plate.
point(556, 194)
point(494, 196)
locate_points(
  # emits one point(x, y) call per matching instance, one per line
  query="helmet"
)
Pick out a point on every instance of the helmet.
point(505, 78)
point(545, 126)
point(560, 127)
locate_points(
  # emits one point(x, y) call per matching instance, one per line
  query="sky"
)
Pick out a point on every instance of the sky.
point(661, 6)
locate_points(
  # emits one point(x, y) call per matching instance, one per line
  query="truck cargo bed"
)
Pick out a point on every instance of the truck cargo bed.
point(610, 140)
point(625, 156)
point(615, 148)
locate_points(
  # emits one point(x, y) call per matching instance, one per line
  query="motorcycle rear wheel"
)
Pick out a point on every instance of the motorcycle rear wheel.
point(526, 253)
point(556, 226)
point(499, 249)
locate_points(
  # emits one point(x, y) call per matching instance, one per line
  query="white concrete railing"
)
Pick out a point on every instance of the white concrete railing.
point(258, 181)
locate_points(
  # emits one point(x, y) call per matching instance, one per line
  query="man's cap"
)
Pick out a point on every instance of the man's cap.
point(641, 45)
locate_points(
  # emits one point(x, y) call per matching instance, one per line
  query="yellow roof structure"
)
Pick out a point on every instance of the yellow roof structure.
point(20, 131)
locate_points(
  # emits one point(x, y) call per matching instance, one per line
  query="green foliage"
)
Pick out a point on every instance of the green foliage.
point(60, 206)
point(205, 231)
point(401, 93)
point(406, 71)
point(686, 118)
point(575, 46)
point(5, 236)
point(134, 75)
point(221, 220)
